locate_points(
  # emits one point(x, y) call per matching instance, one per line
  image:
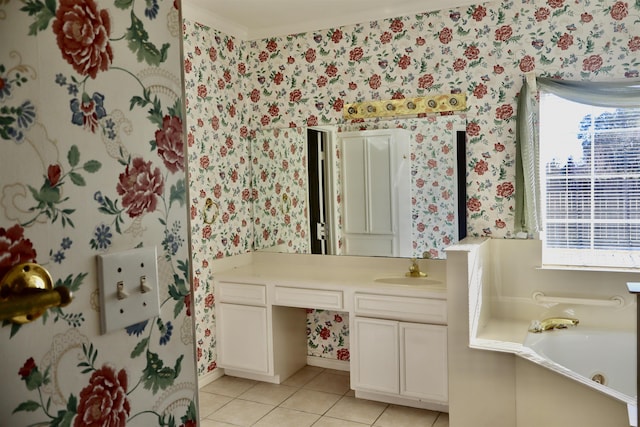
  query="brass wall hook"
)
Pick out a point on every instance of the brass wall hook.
point(27, 291)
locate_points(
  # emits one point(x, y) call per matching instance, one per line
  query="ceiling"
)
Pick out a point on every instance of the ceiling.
point(258, 19)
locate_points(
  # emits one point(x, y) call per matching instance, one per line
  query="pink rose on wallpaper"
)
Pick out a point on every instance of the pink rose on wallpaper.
point(310, 55)
point(356, 54)
point(396, 25)
point(14, 248)
point(504, 112)
point(504, 33)
point(206, 232)
point(479, 13)
point(565, 41)
point(274, 110)
point(375, 81)
point(322, 81)
point(420, 41)
point(209, 300)
point(104, 402)
point(527, 63)
point(265, 120)
point(263, 56)
point(54, 172)
point(213, 54)
point(498, 69)
point(202, 91)
point(446, 35)
point(338, 104)
point(634, 44)
point(499, 147)
point(242, 68)
point(230, 45)
point(223, 151)
point(473, 204)
point(82, 33)
point(592, 63)
point(331, 70)
point(500, 223)
point(204, 162)
point(170, 144)
point(505, 189)
point(555, 4)
point(386, 37)
point(215, 122)
point(473, 129)
point(325, 333)
point(459, 64)
point(480, 90)
point(312, 120)
point(421, 227)
point(542, 14)
point(404, 62)
point(336, 36)
point(343, 354)
point(221, 84)
point(425, 81)
point(481, 167)
point(188, 67)
point(471, 52)
point(295, 95)
point(586, 17)
point(140, 187)
point(272, 45)
point(620, 10)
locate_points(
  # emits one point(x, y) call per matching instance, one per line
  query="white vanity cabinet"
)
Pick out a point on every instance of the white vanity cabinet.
point(241, 326)
point(399, 350)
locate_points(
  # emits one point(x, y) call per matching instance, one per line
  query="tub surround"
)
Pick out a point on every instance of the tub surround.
point(495, 281)
point(261, 328)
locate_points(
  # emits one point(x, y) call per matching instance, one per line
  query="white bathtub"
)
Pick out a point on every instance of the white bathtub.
point(609, 356)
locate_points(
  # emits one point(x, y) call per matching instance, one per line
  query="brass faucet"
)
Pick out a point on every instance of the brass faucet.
point(414, 269)
point(552, 323)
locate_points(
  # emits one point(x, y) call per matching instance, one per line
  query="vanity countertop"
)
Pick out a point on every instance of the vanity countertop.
point(342, 273)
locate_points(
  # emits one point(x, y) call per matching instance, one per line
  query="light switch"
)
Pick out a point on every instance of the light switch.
point(128, 282)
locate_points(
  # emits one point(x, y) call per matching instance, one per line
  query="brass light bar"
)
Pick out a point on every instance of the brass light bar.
point(405, 107)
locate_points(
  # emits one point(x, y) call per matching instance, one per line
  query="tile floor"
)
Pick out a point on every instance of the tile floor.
point(313, 396)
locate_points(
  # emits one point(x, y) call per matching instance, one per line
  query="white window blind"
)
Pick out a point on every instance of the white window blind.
point(590, 181)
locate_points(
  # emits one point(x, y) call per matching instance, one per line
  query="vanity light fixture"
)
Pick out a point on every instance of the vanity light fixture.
point(404, 107)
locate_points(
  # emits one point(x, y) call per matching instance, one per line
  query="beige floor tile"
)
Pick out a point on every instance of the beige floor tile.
point(282, 417)
point(229, 386)
point(403, 416)
point(442, 421)
point(350, 393)
point(271, 394)
point(329, 383)
point(303, 376)
point(315, 402)
point(337, 372)
point(357, 410)
point(205, 422)
point(209, 403)
point(241, 412)
point(334, 422)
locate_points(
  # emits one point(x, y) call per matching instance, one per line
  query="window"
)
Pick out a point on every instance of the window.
point(590, 184)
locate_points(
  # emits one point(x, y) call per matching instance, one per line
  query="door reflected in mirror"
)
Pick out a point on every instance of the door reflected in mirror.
point(302, 181)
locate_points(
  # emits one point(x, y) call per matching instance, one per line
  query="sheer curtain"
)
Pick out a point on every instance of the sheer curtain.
point(615, 94)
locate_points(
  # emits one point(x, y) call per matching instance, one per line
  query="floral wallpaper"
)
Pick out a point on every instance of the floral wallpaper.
point(279, 172)
point(91, 127)
point(481, 50)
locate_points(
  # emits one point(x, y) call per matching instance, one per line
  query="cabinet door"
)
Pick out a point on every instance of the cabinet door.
point(242, 337)
point(423, 362)
point(379, 191)
point(375, 358)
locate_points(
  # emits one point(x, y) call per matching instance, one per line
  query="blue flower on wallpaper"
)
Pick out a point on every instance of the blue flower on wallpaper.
point(72, 88)
point(109, 129)
point(101, 237)
point(151, 11)
point(26, 115)
point(88, 111)
point(165, 330)
point(58, 257)
point(136, 329)
point(172, 239)
point(14, 119)
point(66, 243)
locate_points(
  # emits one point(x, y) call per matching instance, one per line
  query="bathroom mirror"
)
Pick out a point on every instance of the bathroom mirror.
point(297, 180)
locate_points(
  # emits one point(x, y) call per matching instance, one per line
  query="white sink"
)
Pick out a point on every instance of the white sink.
point(414, 281)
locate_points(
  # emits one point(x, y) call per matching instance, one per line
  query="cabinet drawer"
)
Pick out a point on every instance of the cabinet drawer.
point(241, 293)
point(413, 309)
point(308, 298)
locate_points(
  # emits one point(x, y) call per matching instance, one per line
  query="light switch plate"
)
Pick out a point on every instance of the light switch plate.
point(138, 303)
